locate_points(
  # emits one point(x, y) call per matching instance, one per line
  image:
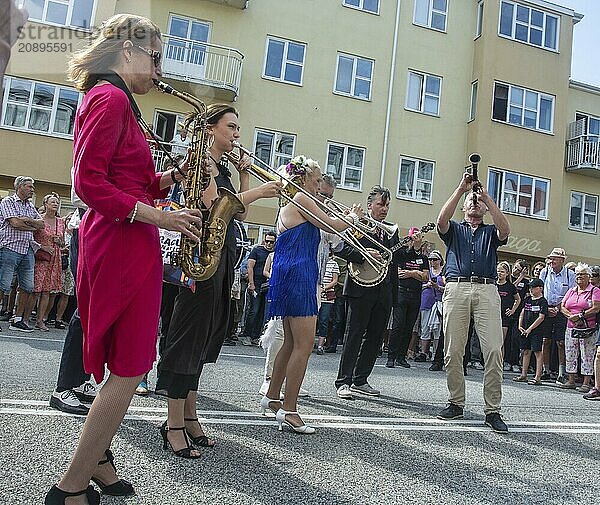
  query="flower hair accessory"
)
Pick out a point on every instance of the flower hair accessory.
point(297, 166)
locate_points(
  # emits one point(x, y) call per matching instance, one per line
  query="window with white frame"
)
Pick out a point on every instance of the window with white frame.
point(371, 6)
point(583, 212)
point(274, 148)
point(353, 76)
point(479, 26)
point(345, 164)
point(284, 60)
point(424, 92)
point(523, 107)
point(76, 13)
point(415, 179)
point(520, 194)
point(473, 108)
point(529, 25)
point(39, 107)
point(431, 13)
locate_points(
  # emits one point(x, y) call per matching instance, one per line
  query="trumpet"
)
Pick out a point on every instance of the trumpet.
point(291, 187)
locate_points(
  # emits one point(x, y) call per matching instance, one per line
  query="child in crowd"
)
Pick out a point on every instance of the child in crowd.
point(530, 327)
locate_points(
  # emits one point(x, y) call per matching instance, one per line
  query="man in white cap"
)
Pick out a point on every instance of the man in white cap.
point(557, 280)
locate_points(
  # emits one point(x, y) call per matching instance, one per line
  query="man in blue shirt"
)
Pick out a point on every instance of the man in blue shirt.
point(471, 258)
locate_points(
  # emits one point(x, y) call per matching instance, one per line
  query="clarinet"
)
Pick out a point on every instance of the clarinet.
point(475, 158)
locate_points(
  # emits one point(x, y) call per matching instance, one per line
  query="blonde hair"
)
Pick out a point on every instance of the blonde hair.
point(106, 43)
point(504, 265)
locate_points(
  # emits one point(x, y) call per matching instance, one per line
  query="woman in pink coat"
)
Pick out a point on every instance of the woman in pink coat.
point(119, 274)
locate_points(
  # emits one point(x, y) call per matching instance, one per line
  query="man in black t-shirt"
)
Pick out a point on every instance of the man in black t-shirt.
point(518, 278)
point(413, 271)
point(255, 299)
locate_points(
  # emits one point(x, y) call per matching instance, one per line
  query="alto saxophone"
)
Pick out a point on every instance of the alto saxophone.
point(200, 260)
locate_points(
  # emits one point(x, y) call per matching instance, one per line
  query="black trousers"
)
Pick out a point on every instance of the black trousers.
point(338, 324)
point(366, 321)
point(255, 315)
point(71, 373)
point(405, 314)
point(167, 303)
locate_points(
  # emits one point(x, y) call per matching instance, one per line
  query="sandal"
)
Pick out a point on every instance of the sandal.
point(120, 488)
point(200, 440)
point(57, 496)
point(534, 382)
point(520, 378)
point(186, 452)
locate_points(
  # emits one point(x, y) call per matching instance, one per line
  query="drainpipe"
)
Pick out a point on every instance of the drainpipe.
point(390, 94)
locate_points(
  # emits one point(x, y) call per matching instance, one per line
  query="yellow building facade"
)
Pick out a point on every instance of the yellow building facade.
point(395, 92)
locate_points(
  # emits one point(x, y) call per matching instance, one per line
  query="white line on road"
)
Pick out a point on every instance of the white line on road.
point(351, 422)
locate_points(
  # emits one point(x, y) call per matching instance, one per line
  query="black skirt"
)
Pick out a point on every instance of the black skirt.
point(200, 323)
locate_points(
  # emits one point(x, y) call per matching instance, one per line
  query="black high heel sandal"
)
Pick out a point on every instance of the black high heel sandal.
point(57, 496)
point(186, 452)
point(120, 488)
point(200, 440)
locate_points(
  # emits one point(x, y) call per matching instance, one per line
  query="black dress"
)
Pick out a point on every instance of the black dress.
point(200, 321)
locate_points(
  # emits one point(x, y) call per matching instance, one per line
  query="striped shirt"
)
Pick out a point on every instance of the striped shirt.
point(18, 241)
point(331, 268)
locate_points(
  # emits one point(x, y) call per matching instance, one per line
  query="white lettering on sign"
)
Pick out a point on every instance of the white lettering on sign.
point(523, 245)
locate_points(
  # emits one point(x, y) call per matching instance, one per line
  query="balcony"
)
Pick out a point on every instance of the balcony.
point(236, 4)
point(583, 151)
point(161, 161)
point(207, 69)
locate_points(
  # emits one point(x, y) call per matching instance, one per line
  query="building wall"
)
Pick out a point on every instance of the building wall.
point(317, 115)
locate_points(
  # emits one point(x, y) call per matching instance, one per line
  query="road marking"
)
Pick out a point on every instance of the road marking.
point(224, 417)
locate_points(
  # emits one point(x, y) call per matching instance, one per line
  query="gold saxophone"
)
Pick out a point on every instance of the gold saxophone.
point(200, 260)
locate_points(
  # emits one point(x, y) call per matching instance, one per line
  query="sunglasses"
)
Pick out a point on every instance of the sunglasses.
point(269, 241)
point(325, 195)
point(155, 55)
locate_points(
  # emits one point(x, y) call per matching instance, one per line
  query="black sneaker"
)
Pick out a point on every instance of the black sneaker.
point(560, 380)
point(495, 422)
point(67, 401)
point(435, 367)
point(546, 376)
point(451, 412)
point(21, 326)
point(229, 342)
point(330, 350)
point(421, 358)
point(402, 362)
point(390, 363)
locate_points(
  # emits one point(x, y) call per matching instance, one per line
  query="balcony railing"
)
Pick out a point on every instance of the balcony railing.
point(583, 151)
point(159, 156)
point(202, 63)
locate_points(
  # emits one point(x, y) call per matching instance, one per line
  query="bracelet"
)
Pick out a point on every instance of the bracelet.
point(173, 176)
point(135, 209)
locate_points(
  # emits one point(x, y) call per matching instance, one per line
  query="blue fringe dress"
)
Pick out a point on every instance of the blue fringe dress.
point(295, 273)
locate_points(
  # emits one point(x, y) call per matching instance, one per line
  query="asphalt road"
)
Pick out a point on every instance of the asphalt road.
point(382, 450)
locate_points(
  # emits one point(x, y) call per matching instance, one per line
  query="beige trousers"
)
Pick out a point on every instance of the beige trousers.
point(481, 301)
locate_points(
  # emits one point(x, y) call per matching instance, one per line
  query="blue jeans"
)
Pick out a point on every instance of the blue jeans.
point(22, 265)
point(324, 317)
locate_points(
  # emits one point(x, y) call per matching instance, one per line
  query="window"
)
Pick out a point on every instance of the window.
point(345, 164)
point(185, 53)
point(589, 126)
point(76, 13)
point(528, 25)
point(583, 212)
point(39, 107)
point(424, 92)
point(479, 27)
point(415, 179)
point(274, 148)
point(284, 61)
point(523, 107)
point(520, 194)
point(431, 13)
point(473, 108)
point(363, 5)
point(353, 76)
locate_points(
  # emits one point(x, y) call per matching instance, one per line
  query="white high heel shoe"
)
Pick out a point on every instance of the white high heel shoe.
point(264, 404)
point(281, 420)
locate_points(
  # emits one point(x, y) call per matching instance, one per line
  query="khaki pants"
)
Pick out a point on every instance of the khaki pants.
point(481, 301)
